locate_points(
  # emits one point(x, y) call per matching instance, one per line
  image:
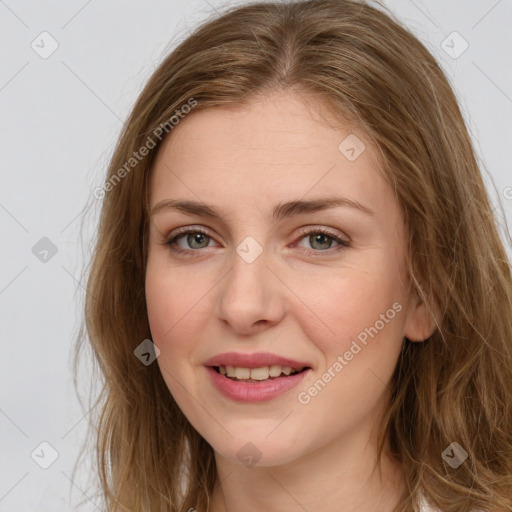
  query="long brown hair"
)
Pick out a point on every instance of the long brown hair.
point(454, 387)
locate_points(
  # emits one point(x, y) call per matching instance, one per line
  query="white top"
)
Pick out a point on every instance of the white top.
point(424, 506)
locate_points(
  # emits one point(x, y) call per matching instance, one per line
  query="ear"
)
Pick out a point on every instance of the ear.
point(420, 323)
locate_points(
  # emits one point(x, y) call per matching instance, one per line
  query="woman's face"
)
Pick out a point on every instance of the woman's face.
point(261, 277)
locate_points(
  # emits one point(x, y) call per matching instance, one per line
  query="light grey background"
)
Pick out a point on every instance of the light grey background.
point(60, 118)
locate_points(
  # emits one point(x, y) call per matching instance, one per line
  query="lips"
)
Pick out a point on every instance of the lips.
point(255, 360)
point(254, 392)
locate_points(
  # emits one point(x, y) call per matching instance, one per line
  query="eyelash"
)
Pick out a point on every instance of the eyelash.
point(343, 244)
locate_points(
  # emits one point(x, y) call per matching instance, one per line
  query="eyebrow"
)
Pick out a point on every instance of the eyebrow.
point(280, 211)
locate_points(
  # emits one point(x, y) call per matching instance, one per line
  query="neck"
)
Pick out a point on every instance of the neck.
point(341, 476)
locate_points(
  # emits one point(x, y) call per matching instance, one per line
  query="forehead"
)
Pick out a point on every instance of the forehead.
point(279, 147)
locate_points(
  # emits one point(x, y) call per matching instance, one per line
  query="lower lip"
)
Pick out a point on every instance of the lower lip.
point(254, 391)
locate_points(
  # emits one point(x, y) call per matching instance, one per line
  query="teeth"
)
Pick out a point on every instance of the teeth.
point(275, 370)
point(262, 373)
point(242, 373)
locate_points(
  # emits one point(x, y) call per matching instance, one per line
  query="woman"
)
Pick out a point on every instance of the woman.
point(299, 299)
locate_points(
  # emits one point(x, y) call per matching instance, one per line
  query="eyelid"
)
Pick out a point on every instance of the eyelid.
point(188, 229)
point(321, 229)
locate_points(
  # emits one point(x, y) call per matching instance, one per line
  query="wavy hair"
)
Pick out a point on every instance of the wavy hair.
point(359, 60)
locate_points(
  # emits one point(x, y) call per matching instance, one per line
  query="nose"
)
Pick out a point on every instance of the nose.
point(250, 297)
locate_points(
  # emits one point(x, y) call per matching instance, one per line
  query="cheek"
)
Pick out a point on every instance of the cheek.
point(167, 300)
point(178, 307)
point(359, 349)
point(169, 290)
point(349, 303)
point(170, 308)
point(161, 307)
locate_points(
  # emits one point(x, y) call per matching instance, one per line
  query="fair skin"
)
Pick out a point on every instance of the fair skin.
point(303, 297)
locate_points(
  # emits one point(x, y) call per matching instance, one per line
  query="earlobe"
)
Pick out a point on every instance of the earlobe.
point(420, 324)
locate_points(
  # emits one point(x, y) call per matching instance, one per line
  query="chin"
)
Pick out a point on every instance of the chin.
point(258, 452)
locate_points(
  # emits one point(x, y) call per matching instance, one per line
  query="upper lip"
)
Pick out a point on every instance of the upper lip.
point(256, 360)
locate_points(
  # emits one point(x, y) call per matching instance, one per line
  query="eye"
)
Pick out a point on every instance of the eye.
point(321, 239)
point(194, 237)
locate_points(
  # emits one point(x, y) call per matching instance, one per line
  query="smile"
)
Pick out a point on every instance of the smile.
point(247, 390)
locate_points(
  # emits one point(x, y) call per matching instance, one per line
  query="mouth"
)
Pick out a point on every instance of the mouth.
point(254, 385)
point(255, 375)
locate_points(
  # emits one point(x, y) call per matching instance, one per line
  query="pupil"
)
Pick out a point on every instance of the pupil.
point(318, 238)
point(196, 238)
